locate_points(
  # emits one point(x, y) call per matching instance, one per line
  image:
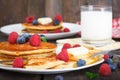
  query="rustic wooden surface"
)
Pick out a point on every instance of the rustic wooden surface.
point(13, 11)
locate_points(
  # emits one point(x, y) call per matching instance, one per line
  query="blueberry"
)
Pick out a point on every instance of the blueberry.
point(118, 64)
point(35, 22)
point(113, 67)
point(59, 77)
point(109, 61)
point(21, 40)
point(27, 36)
point(56, 22)
point(81, 62)
point(110, 56)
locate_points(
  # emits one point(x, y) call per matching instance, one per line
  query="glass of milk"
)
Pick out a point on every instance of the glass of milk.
point(96, 24)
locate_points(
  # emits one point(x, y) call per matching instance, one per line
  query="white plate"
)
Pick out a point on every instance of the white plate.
point(74, 29)
point(47, 71)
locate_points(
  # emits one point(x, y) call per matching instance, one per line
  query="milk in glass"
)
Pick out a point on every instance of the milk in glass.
point(96, 25)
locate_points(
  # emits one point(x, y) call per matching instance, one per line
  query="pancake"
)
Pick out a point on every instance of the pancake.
point(30, 26)
point(25, 49)
point(43, 63)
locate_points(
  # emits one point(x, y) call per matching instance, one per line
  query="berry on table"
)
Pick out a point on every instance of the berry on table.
point(109, 61)
point(18, 62)
point(12, 38)
point(113, 67)
point(81, 62)
point(59, 77)
point(106, 57)
point(104, 70)
point(35, 40)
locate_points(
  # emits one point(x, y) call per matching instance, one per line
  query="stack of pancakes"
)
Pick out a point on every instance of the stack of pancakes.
point(50, 28)
point(53, 63)
point(10, 51)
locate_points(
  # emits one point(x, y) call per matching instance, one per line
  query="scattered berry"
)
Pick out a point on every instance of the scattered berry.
point(59, 77)
point(106, 57)
point(45, 32)
point(35, 40)
point(66, 46)
point(76, 45)
point(21, 40)
point(81, 62)
point(104, 70)
point(12, 38)
point(110, 56)
point(56, 22)
point(29, 19)
point(79, 34)
point(109, 61)
point(35, 22)
point(66, 30)
point(18, 62)
point(57, 31)
point(58, 17)
point(112, 67)
point(63, 55)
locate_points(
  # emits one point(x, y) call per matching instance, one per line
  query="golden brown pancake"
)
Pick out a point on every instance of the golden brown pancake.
point(41, 27)
point(10, 51)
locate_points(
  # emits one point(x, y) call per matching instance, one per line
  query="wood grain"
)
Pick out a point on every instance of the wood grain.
point(13, 11)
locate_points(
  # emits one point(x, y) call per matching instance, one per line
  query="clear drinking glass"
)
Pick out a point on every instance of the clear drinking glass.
point(96, 24)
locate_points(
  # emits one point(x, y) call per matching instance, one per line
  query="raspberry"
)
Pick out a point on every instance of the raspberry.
point(66, 30)
point(104, 70)
point(66, 46)
point(76, 45)
point(18, 62)
point(106, 57)
point(29, 19)
point(57, 31)
point(45, 32)
point(58, 17)
point(63, 55)
point(35, 40)
point(12, 38)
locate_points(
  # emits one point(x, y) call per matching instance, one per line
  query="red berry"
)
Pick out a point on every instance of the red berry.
point(12, 38)
point(104, 70)
point(66, 30)
point(35, 40)
point(63, 55)
point(76, 45)
point(66, 46)
point(57, 31)
point(45, 32)
point(106, 57)
point(79, 34)
point(58, 17)
point(29, 19)
point(18, 62)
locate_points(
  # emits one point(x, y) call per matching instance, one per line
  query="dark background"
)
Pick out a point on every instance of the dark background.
point(15, 11)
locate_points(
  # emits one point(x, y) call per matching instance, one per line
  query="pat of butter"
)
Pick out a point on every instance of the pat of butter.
point(45, 20)
point(78, 51)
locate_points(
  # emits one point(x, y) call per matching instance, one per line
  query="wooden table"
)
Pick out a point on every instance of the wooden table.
point(74, 75)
